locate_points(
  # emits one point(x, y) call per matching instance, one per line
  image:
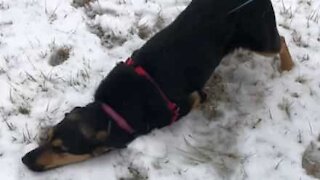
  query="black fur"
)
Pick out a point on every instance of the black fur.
point(180, 59)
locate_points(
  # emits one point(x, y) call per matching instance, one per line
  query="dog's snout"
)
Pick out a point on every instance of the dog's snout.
point(30, 160)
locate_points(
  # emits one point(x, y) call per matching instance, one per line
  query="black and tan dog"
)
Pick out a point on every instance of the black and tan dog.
point(162, 81)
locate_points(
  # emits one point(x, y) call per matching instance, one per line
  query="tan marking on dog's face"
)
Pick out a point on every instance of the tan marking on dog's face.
point(50, 134)
point(101, 150)
point(57, 143)
point(196, 100)
point(51, 159)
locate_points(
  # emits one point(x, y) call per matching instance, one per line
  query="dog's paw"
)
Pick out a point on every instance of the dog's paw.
point(203, 96)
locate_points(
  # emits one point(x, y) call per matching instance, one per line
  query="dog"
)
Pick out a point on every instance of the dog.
point(162, 81)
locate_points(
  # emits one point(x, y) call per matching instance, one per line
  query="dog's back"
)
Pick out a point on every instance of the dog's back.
point(182, 56)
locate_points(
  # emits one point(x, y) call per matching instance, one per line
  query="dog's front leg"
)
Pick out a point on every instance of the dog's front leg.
point(197, 98)
point(190, 102)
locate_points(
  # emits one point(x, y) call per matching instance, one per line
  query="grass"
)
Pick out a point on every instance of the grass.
point(4, 6)
point(82, 3)
point(313, 17)
point(136, 174)
point(286, 106)
point(278, 164)
point(301, 79)
point(300, 137)
point(10, 125)
point(256, 123)
point(305, 58)
point(52, 15)
point(286, 11)
point(2, 70)
point(27, 137)
point(297, 39)
point(24, 110)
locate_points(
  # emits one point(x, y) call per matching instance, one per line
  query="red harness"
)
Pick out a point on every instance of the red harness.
point(121, 122)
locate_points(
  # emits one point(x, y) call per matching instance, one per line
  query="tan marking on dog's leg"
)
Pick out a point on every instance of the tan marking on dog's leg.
point(195, 100)
point(286, 63)
point(51, 160)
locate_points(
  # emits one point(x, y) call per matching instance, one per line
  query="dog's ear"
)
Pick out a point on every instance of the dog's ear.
point(97, 137)
point(87, 131)
point(74, 114)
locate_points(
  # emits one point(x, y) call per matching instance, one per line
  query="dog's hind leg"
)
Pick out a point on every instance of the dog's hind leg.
point(286, 63)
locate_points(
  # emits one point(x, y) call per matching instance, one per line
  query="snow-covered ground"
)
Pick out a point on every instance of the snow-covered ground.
point(256, 125)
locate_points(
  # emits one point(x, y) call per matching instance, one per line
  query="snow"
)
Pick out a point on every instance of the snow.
point(262, 121)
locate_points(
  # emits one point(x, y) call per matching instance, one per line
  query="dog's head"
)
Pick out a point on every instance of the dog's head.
point(82, 134)
point(89, 131)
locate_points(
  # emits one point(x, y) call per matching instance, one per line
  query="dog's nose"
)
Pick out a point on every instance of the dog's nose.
point(30, 161)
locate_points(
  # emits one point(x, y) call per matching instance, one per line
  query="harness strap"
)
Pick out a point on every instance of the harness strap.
point(121, 122)
point(171, 105)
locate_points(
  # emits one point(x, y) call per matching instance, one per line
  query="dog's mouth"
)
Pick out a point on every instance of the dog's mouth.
point(44, 158)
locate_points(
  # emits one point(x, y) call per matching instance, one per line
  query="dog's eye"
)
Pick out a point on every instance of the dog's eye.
point(60, 149)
